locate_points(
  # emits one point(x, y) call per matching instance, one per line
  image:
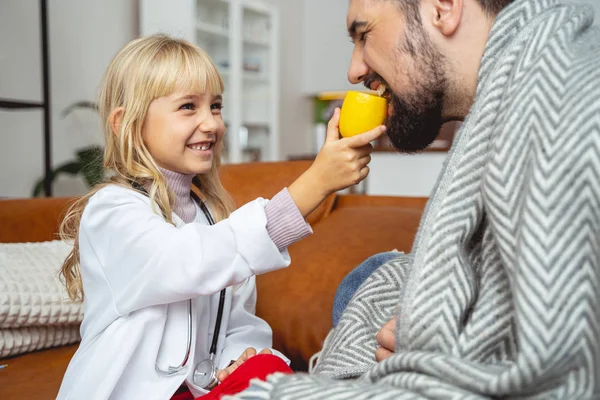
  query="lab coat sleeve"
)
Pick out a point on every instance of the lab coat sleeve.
point(245, 329)
point(147, 261)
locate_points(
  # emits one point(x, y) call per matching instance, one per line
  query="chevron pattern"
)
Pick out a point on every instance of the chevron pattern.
point(350, 348)
point(501, 297)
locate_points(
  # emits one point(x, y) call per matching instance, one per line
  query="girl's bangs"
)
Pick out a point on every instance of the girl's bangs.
point(186, 69)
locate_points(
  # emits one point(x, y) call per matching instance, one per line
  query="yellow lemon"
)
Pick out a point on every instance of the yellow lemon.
point(361, 112)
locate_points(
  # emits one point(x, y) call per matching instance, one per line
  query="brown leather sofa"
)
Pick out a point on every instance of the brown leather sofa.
point(296, 301)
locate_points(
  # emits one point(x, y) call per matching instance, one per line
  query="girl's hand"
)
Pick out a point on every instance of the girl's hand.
point(248, 353)
point(340, 163)
point(343, 162)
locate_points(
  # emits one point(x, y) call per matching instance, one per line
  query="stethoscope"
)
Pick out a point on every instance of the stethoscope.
point(205, 373)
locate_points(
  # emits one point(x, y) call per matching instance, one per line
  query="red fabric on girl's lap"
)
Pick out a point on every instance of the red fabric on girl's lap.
point(185, 395)
point(259, 366)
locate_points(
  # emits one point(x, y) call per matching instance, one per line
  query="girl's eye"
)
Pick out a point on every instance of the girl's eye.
point(187, 106)
point(216, 107)
point(363, 36)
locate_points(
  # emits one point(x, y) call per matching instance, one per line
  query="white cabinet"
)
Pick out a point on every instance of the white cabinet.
point(241, 36)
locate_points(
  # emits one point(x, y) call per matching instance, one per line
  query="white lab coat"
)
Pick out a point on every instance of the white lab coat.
point(138, 273)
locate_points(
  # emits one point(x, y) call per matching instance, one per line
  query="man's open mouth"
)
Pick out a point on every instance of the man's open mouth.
point(382, 91)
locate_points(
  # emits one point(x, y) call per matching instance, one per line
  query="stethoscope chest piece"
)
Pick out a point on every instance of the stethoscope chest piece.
point(205, 375)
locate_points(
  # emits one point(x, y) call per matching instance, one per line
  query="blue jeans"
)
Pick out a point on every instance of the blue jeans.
point(354, 279)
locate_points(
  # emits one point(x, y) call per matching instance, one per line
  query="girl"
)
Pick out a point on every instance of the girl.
point(168, 297)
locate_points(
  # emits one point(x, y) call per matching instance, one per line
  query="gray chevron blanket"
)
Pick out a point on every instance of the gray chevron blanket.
point(500, 297)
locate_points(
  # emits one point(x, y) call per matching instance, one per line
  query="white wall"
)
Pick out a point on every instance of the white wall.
point(83, 35)
point(327, 46)
point(295, 121)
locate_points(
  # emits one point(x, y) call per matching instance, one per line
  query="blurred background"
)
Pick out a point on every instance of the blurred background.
point(284, 63)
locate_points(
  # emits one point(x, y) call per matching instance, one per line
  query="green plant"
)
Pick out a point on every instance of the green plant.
point(88, 162)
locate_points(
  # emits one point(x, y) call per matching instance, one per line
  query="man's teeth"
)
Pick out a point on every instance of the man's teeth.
point(203, 146)
point(381, 89)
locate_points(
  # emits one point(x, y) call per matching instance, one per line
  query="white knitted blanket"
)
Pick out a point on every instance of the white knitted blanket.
point(500, 297)
point(35, 311)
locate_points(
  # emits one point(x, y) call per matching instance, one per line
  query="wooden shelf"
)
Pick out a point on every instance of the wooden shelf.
point(248, 76)
point(213, 30)
point(18, 105)
point(256, 7)
point(256, 42)
point(242, 38)
point(45, 104)
point(218, 32)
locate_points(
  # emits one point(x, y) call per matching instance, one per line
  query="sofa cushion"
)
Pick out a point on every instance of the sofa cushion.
point(247, 182)
point(15, 341)
point(31, 296)
point(31, 220)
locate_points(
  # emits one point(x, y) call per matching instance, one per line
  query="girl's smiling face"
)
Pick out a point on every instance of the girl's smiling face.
point(183, 130)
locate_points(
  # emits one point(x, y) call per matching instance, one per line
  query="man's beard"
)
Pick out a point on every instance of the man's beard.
point(417, 116)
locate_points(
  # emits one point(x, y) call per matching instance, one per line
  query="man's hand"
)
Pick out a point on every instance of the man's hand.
point(249, 352)
point(386, 337)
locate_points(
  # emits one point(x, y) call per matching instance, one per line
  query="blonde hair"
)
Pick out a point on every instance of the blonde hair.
point(145, 69)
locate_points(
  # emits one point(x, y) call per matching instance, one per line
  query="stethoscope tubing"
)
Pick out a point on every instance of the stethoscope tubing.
point(213, 347)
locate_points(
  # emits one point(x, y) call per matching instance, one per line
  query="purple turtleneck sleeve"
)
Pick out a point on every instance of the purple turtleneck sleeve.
point(285, 223)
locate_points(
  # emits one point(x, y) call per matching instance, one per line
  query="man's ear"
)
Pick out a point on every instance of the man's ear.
point(115, 119)
point(446, 15)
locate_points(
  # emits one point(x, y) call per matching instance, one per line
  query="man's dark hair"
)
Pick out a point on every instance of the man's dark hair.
point(493, 7)
point(411, 8)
